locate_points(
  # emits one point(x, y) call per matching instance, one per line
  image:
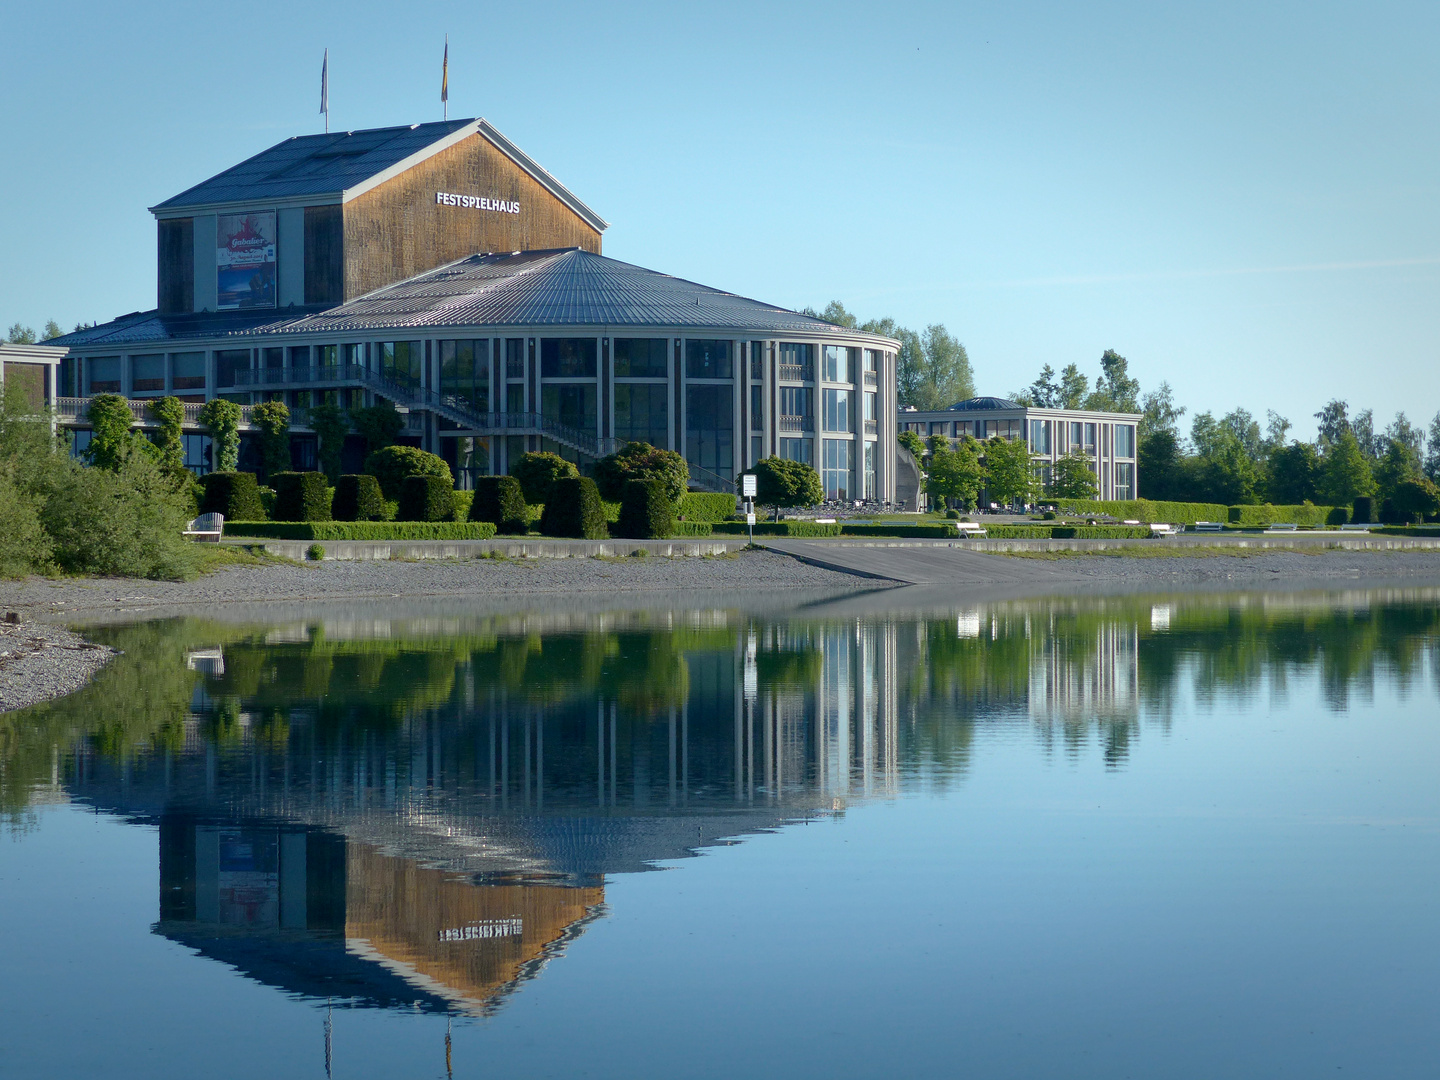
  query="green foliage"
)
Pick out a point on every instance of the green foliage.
point(692, 528)
point(573, 510)
point(361, 530)
point(498, 499)
point(222, 421)
point(1400, 462)
point(933, 532)
point(538, 471)
point(1160, 464)
point(1364, 511)
point(1345, 474)
point(234, 494)
point(1009, 476)
point(775, 528)
point(111, 436)
point(1306, 514)
point(315, 553)
point(782, 483)
point(1417, 497)
point(331, 425)
point(170, 412)
point(1338, 515)
point(955, 472)
point(379, 425)
point(705, 506)
point(641, 461)
point(913, 443)
point(1294, 473)
point(646, 511)
point(20, 335)
point(1150, 510)
point(301, 496)
point(1071, 478)
point(932, 370)
point(426, 498)
point(24, 546)
point(392, 464)
point(358, 498)
point(273, 420)
point(462, 501)
point(1068, 532)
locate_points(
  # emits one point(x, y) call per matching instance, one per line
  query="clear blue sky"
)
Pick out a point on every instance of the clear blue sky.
point(1240, 198)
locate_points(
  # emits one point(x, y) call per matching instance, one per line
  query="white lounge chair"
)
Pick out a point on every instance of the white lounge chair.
point(1281, 527)
point(207, 528)
point(1208, 526)
point(971, 530)
point(1159, 528)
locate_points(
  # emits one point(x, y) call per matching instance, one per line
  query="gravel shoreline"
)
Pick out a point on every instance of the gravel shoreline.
point(40, 662)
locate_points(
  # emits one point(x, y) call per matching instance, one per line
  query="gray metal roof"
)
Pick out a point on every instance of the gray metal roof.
point(314, 164)
point(559, 288)
point(983, 404)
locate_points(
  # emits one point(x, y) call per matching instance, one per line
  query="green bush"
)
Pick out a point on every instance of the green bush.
point(315, 553)
point(273, 420)
point(538, 471)
point(361, 530)
point(705, 506)
point(646, 512)
point(358, 498)
point(692, 528)
point(426, 498)
point(462, 500)
point(1067, 532)
point(301, 496)
point(1147, 510)
point(1364, 511)
point(1338, 516)
point(234, 494)
point(499, 499)
point(780, 482)
point(641, 461)
point(392, 464)
point(775, 528)
point(954, 515)
point(1306, 514)
point(1417, 497)
point(573, 510)
point(934, 532)
point(24, 547)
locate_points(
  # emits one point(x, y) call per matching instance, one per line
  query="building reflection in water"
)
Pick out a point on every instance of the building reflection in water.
point(423, 812)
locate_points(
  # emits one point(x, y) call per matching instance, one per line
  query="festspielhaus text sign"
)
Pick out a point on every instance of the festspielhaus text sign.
point(476, 202)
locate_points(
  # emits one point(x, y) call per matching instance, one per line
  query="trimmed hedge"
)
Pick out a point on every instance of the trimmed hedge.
point(1258, 516)
point(646, 512)
point(705, 506)
point(574, 510)
point(358, 498)
point(361, 530)
point(1338, 515)
point(426, 498)
point(393, 464)
point(1364, 512)
point(1068, 532)
point(692, 528)
point(234, 494)
point(774, 528)
point(500, 501)
point(1407, 530)
point(937, 532)
point(1146, 510)
point(301, 496)
point(463, 499)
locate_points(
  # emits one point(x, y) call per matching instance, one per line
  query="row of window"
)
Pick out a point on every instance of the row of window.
point(1090, 438)
point(837, 465)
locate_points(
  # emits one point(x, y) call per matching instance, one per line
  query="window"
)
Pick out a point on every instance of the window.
point(757, 448)
point(872, 360)
point(197, 452)
point(102, 375)
point(708, 360)
point(272, 359)
point(1124, 480)
point(640, 358)
point(1040, 436)
point(465, 372)
point(838, 463)
point(796, 401)
point(353, 354)
point(300, 356)
point(872, 407)
point(872, 452)
point(839, 364)
point(798, 450)
point(571, 404)
point(1090, 438)
point(514, 358)
point(567, 358)
point(1077, 435)
point(399, 361)
point(188, 370)
point(515, 399)
point(1124, 441)
point(642, 413)
point(838, 410)
point(147, 372)
point(757, 360)
point(709, 428)
point(797, 361)
point(327, 356)
point(757, 408)
point(938, 427)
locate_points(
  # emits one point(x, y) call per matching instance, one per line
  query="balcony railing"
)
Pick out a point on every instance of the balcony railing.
point(73, 408)
point(797, 423)
point(797, 373)
point(872, 378)
point(871, 427)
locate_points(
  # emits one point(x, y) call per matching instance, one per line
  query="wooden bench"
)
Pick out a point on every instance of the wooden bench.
point(971, 530)
point(207, 528)
point(1208, 526)
point(1158, 528)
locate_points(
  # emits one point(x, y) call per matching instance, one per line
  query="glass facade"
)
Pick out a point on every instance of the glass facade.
point(1124, 441)
point(641, 358)
point(399, 361)
point(872, 455)
point(710, 428)
point(1040, 436)
point(514, 358)
point(642, 413)
point(797, 401)
point(228, 362)
point(187, 371)
point(147, 373)
point(571, 404)
point(567, 358)
point(797, 354)
point(1124, 480)
point(798, 450)
point(708, 360)
point(102, 375)
point(839, 364)
point(837, 467)
point(465, 372)
point(839, 410)
point(757, 408)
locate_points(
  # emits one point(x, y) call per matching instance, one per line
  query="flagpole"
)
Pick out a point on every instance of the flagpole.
point(325, 89)
point(445, 81)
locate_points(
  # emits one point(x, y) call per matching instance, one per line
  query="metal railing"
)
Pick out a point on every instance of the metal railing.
point(872, 378)
point(797, 373)
point(710, 481)
point(871, 427)
point(78, 408)
point(797, 423)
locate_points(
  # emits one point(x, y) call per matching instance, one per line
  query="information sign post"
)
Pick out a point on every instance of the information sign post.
point(748, 487)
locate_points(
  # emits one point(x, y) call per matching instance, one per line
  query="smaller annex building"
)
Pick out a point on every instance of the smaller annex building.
point(439, 268)
point(1106, 439)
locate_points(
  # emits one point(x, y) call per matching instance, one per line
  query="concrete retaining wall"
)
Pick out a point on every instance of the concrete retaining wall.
point(479, 549)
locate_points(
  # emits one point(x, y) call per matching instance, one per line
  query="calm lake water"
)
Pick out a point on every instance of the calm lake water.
point(1190, 836)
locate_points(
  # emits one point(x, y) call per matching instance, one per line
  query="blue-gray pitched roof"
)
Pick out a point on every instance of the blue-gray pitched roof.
point(567, 287)
point(983, 404)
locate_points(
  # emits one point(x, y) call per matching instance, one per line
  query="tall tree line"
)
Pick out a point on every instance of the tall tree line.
point(932, 369)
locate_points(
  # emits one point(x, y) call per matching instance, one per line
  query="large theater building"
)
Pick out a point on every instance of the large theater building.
point(439, 268)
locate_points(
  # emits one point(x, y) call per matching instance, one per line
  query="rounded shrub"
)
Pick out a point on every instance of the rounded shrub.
point(426, 498)
point(358, 498)
point(301, 496)
point(394, 463)
point(1338, 516)
point(537, 471)
point(641, 461)
point(315, 553)
point(1418, 497)
point(573, 510)
point(234, 494)
point(499, 499)
point(646, 511)
point(952, 515)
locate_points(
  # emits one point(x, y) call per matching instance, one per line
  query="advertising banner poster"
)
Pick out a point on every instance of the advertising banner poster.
point(245, 261)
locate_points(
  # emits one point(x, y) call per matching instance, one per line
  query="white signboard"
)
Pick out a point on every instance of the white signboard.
point(748, 485)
